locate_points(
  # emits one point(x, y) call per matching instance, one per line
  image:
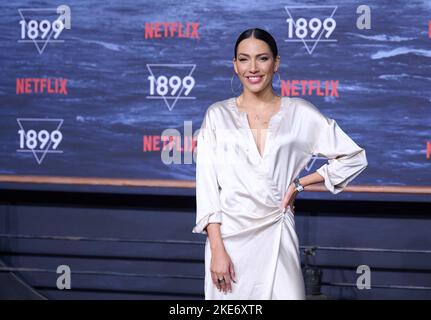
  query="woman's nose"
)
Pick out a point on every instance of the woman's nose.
point(253, 66)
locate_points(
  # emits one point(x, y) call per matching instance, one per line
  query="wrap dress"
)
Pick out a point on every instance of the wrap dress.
point(243, 190)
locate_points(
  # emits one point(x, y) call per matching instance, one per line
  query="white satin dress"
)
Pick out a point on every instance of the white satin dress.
point(243, 191)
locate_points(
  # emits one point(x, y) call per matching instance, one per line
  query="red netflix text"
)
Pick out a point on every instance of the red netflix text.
point(159, 143)
point(294, 88)
point(428, 148)
point(41, 85)
point(171, 30)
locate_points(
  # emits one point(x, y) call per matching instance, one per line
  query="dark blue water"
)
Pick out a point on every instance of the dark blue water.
point(384, 75)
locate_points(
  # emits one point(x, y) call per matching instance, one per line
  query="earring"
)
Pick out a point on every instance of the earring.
point(231, 86)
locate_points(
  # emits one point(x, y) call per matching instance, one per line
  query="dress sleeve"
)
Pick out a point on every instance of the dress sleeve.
point(207, 186)
point(346, 160)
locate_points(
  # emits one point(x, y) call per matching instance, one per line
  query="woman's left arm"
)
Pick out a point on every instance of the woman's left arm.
point(289, 198)
point(346, 160)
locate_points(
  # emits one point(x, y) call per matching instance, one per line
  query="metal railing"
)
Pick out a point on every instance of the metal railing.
point(199, 243)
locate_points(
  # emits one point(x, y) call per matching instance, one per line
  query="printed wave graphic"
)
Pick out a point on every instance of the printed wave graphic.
point(382, 37)
point(382, 54)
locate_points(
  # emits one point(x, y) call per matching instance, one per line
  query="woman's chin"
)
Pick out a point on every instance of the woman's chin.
point(256, 89)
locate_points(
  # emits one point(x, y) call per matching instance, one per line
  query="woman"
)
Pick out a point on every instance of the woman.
point(245, 203)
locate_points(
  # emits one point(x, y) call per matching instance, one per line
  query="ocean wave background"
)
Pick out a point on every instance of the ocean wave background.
point(384, 79)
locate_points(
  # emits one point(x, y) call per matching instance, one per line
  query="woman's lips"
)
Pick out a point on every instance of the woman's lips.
point(254, 79)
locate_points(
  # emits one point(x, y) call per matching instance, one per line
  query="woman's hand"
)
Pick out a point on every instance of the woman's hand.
point(222, 267)
point(289, 198)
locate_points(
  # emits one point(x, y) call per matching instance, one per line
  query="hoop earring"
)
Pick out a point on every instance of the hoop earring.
point(231, 86)
point(279, 80)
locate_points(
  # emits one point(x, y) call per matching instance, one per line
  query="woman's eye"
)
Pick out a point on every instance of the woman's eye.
point(263, 58)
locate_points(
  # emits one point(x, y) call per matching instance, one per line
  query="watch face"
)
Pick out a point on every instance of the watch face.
point(299, 187)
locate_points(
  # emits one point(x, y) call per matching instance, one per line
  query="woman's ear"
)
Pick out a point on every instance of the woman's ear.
point(234, 65)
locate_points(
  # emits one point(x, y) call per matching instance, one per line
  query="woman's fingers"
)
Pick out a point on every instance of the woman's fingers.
point(223, 280)
point(226, 284)
point(232, 272)
point(284, 202)
point(288, 201)
point(221, 285)
point(292, 202)
point(214, 278)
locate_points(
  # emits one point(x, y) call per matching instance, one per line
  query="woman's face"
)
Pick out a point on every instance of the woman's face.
point(255, 65)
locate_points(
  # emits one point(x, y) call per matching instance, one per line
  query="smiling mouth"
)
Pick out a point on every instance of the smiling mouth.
point(254, 79)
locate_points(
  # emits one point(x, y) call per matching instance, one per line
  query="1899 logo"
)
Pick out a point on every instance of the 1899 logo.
point(43, 25)
point(39, 136)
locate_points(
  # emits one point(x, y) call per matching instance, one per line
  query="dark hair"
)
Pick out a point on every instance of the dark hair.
point(258, 34)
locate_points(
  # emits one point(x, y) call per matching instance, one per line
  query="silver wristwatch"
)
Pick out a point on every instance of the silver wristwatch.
point(298, 185)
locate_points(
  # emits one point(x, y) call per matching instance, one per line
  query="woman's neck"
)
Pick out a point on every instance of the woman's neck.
point(258, 101)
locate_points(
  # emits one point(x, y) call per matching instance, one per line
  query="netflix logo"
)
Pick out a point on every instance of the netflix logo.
point(155, 143)
point(295, 88)
point(41, 86)
point(428, 150)
point(157, 30)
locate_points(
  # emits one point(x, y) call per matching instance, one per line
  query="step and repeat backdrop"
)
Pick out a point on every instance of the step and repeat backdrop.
point(96, 88)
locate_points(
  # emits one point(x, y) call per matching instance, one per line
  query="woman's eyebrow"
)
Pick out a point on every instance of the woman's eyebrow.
point(260, 54)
